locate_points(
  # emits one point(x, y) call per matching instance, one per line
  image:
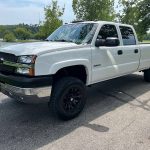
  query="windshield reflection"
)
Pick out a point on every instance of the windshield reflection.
point(78, 33)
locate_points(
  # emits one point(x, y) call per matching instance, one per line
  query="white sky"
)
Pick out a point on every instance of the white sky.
point(30, 11)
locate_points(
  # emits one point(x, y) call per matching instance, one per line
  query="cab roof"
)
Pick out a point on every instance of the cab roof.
point(101, 22)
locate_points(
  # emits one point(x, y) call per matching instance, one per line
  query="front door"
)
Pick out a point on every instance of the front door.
point(104, 65)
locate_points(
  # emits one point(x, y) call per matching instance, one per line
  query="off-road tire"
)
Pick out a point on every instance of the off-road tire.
point(61, 101)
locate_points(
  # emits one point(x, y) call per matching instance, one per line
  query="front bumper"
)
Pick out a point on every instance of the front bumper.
point(25, 89)
point(27, 95)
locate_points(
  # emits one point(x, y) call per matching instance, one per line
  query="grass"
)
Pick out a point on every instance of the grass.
point(26, 41)
point(146, 41)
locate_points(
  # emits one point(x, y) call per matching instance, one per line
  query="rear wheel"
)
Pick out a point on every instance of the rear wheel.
point(147, 75)
point(68, 98)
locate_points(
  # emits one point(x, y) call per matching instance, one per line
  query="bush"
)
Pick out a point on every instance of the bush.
point(22, 33)
point(9, 37)
point(39, 36)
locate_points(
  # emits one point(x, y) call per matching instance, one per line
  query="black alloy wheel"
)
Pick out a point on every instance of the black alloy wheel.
point(68, 98)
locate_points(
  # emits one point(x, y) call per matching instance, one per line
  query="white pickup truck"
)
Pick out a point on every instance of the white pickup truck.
point(76, 55)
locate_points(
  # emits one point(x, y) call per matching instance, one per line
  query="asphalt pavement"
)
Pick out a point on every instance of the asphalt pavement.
point(116, 117)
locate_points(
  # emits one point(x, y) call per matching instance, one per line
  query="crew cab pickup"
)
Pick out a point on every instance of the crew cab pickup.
point(73, 57)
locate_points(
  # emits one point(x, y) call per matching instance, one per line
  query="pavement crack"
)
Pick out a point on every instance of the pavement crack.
point(144, 105)
point(129, 95)
point(111, 95)
point(127, 126)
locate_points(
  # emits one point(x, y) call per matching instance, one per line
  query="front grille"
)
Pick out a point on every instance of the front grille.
point(10, 58)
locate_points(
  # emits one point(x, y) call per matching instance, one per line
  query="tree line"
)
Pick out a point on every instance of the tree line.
point(20, 32)
point(133, 12)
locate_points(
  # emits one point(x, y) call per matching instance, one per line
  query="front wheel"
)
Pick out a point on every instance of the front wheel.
point(68, 98)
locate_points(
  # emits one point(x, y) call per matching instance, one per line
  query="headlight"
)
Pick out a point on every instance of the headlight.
point(26, 65)
point(26, 59)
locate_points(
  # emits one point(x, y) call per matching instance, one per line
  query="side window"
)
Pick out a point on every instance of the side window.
point(128, 36)
point(108, 31)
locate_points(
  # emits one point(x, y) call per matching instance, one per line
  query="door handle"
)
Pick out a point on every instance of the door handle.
point(136, 51)
point(120, 52)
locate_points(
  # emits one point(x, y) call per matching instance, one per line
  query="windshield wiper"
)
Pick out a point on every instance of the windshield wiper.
point(63, 40)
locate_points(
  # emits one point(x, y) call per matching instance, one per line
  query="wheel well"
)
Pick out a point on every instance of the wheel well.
point(77, 71)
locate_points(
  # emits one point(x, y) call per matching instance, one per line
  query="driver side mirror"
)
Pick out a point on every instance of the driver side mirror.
point(100, 42)
point(110, 42)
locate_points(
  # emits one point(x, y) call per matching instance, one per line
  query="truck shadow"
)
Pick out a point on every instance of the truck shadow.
point(32, 126)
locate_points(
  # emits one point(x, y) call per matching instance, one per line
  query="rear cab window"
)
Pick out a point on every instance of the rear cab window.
point(128, 36)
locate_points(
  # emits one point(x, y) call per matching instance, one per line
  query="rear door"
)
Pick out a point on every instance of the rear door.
point(128, 60)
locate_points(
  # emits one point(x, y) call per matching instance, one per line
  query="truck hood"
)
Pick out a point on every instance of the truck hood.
point(37, 48)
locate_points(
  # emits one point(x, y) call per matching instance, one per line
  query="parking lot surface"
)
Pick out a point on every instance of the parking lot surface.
point(116, 117)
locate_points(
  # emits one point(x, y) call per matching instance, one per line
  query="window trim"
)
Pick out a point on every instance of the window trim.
point(109, 25)
point(99, 29)
point(133, 34)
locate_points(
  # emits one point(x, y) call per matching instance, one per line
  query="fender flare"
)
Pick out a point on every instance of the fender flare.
point(68, 63)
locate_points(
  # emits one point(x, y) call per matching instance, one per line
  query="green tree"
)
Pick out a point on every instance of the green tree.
point(2, 30)
point(94, 9)
point(136, 13)
point(33, 29)
point(39, 36)
point(9, 37)
point(52, 19)
point(147, 37)
point(130, 12)
point(144, 18)
point(22, 33)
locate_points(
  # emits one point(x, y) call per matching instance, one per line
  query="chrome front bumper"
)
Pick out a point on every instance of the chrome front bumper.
point(27, 95)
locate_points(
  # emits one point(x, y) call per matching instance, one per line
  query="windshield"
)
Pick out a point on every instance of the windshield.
point(79, 33)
